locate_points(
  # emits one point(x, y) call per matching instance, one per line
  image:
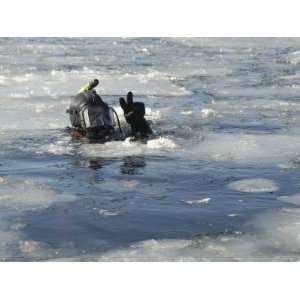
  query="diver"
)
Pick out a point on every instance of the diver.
point(94, 119)
point(90, 116)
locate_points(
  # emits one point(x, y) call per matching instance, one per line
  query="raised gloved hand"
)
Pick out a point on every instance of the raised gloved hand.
point(134, 113)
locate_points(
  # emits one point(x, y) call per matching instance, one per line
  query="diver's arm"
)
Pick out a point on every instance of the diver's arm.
point(134, 113)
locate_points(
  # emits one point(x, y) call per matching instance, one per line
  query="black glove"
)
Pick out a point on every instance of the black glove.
point(134, 113)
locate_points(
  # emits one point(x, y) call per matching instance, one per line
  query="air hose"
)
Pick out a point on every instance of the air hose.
point(119, 124)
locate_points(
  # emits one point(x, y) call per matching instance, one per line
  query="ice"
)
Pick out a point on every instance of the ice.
point(7, 239)
point(281, 232)
point(17, 198)
point(273, 112)
point(237, 43)
point(152, 114)
point(294, 57)
point(294, 199)
point(36, 143)
point(276, 237)
point(169, 250)
point(61, 147)
point(112, 149)
point(2, 180)
point(247, 148)
point(29, 195)
point(208, 113)
point(15, 245)
point(55, 149)
point(31, 114)
point(63, 83)
point(161, 143)
point(187, 112)
point(260, 92)
point(129, 184)
point(127, 148)
point(104, 213)
point(29, 246)
point(200, 201)
point(12, 240)
point(254, 185)
point(153, 83)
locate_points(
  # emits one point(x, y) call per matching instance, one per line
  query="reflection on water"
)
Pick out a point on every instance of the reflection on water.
point(94, 164)
point(129, 165)
point(132, 165)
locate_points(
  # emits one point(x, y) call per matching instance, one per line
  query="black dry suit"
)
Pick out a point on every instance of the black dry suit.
point(91, 116)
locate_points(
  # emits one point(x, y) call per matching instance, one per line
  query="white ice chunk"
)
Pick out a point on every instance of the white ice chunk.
point(247, 148)
point(294, 199)
point(255, 185)
point(200, 201)
point(127, 148)
point(104, 213)
point(28, 195)
point(187, 112)
point(208, 113)
point(129, 184)
point(29, 246)
point(161, 143)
